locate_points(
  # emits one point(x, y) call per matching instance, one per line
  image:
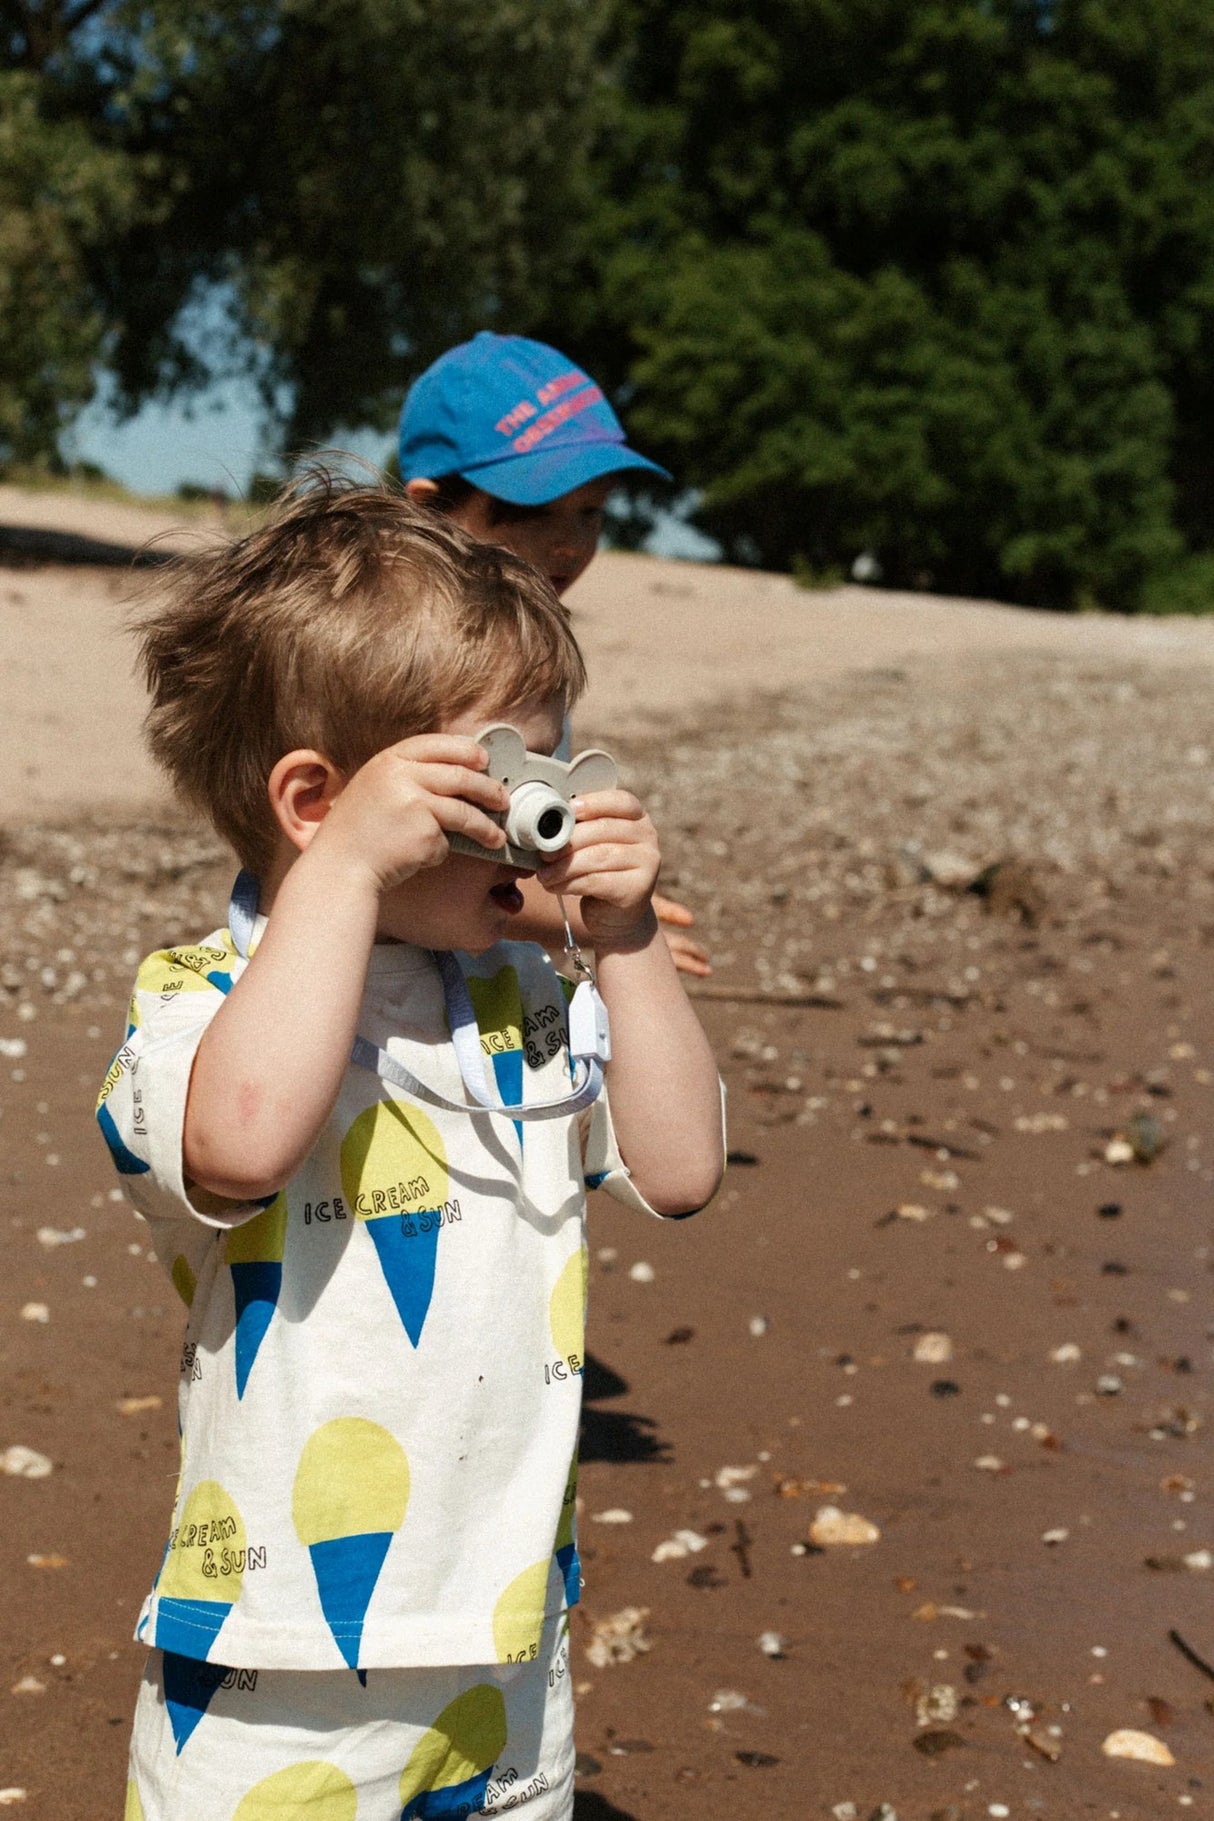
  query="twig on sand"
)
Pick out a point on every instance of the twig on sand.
point(741, 1548)
point(744, 995)
point(1187, 1650)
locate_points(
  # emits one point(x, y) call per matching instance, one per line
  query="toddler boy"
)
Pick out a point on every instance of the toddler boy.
point(512, 440)
point(362, 1606)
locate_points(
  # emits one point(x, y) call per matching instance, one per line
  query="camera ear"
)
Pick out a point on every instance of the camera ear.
point(590, 771)
point(507, 751)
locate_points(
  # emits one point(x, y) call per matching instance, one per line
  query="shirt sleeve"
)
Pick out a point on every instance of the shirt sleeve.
point(604, 1168)
point(141, 1107)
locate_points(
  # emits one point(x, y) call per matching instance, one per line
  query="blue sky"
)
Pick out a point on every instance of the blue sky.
point(215, 441)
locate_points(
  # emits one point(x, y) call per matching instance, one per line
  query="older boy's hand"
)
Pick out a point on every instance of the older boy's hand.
point(688, 955)
point(611, 866)
point(396, 812)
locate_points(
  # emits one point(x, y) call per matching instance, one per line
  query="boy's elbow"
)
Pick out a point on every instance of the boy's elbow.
point(245, 1177)
point(693, 1191)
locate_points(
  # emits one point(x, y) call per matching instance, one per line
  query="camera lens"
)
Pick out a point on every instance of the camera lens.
point(538, 818)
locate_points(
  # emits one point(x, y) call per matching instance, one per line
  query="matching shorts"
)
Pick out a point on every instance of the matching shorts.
point(215, 1744)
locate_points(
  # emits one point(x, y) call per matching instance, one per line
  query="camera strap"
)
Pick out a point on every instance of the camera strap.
point(589, 1035)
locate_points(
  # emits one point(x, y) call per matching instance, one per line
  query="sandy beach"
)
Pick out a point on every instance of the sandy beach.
point(953, 862)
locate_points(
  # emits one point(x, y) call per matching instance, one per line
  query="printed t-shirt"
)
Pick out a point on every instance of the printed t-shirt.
point(381, 1375)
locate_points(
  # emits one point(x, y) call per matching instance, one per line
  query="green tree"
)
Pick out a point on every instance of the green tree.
point(363, 180)
point(931, 278)
point(60, 198)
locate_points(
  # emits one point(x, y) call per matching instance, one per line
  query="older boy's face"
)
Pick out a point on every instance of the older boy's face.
point(468, 903)
point(558, 539)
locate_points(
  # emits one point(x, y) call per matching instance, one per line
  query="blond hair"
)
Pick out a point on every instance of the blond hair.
point(352, 619)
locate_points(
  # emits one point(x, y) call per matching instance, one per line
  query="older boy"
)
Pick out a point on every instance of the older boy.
point(512, 440)
point(386, 1283)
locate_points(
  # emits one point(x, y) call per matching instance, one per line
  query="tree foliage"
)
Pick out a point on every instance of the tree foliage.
point(366, 180)
point(59, 199)
point(930, 278)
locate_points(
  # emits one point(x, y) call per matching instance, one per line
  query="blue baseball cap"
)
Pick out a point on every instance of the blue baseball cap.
point(515, 418)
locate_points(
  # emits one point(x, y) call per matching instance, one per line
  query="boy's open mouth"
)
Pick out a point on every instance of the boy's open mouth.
point(508, 895)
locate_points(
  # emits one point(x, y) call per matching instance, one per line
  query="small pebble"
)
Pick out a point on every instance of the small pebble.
point(772, 1643)
point(25, 1463)
point(833, 1528)
point(35, 1312)
point(641, 1273)
point(614, 1515)
point(1127, 1742)
point(729, 1701)
point(60, 1236)
point(758, 1326)
point(679, 1546)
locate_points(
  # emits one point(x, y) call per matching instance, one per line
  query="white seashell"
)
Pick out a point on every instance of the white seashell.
point(833, 1528)
point(1128, 1743)
point(25, 1463)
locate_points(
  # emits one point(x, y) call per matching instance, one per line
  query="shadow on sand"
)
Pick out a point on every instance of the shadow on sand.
point(29, 546)
point(614, 1435)
point(589, 1807)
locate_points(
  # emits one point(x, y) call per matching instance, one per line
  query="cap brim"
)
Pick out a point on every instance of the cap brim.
point(536, 480)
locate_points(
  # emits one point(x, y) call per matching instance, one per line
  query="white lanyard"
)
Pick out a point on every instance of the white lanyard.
point(589, 1035)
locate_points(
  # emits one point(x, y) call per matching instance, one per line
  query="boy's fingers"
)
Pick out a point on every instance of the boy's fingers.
point(458, 817)
point(458, 781)
point(614, 803)
point(608, 860)
point(443, 749)
point(670, 912)
point(611, 831)
point(687, 955)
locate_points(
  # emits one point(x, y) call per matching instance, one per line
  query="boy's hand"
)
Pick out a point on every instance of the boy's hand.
point(611, 866)
point(394, 815)
point(688, 955)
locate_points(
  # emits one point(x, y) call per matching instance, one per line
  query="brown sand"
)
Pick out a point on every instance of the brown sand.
point(924, 1082)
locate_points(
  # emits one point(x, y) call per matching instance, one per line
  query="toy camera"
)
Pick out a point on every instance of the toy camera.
point(539, 820)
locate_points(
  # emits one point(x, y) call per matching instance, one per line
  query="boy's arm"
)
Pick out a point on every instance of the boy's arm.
point(269, 1068)
point(665, 1092)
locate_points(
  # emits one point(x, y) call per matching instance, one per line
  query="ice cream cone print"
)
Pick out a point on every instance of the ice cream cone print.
point(518, 1616)
point(498, 1004)
point(203, 1568)
point(351, 1494)
point(125, 1161)
point(189, 1684)
point(567, 1310)
point(253, 1254)
point(184, 1281)
point(450, 1766)
point(394, 1178)
point(567, 1559)
point(313, 1788)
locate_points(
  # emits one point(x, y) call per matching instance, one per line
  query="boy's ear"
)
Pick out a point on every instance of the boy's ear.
point(421, 491)
point(303, 788)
